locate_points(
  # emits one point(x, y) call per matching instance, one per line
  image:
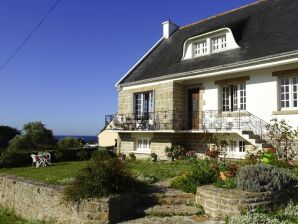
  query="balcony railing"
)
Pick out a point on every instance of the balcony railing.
point(209, 120)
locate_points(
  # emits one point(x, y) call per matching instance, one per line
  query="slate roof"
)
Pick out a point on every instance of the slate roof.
point(261, 29)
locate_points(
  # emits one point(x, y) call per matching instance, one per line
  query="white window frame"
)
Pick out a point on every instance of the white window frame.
point(200, 48)
point(292, 93)
point(143, 145)
point(233, 97)
point(241, 146)
point(218, 43)
point(139, 100)
point(232, 146)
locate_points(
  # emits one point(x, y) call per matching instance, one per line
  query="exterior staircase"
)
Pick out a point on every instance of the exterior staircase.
point(254, 139)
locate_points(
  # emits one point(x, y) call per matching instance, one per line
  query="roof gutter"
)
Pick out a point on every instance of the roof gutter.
point(284, 58)
point(139, 61)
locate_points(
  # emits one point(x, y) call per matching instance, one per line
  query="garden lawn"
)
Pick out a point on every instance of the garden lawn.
point(62, 173)
point(9, 217)
point(160, 170)
point(59, 173)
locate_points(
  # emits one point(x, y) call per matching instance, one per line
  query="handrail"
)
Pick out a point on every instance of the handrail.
point(197, 120)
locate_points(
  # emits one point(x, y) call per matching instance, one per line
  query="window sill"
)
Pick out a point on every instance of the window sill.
point(284, 112)
point(142, 152)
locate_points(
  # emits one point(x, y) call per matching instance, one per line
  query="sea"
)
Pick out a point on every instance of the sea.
point(87, 138)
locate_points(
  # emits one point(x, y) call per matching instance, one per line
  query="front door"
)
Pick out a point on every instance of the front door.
point(194, 108)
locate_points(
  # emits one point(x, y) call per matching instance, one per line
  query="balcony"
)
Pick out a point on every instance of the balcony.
point(209, 120)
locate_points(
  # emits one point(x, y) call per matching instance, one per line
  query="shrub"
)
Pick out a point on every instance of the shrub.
point(176, 152)
point(191, 155)
point(58, 155)
point(201, 174)
point(253, 218)
point(282, 136)
point(103, 154)
point(229, 168)
point(283, 216)
point(213, 153)
point(14, 158)
point(260, 178)
point(147, 179)
point(227, 183)
point(69, 143)
point(101, 177)
point(122, 156)
point(83, 155)
point(153, 157)
point(132, 156)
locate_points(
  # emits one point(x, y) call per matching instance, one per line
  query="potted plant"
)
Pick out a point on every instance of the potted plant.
point(153, 157)
point(132, 156)
point(122, 156)
point(191, 155)
point(227, 170)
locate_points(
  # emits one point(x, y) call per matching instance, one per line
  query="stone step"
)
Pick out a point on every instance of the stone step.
point(171, 210)
point(173, 197)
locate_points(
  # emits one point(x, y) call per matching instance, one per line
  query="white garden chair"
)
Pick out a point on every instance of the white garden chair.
point(33, 156)
point(39, 161)
point(48, 158)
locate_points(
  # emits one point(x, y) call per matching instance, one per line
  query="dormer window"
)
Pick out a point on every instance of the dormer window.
point(200, 48)
point(219, 43)
point(209, 43)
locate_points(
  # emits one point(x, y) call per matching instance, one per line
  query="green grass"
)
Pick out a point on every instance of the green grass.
point(58, 173)
point(160, 170)
point(61, 173)
point(9, 217)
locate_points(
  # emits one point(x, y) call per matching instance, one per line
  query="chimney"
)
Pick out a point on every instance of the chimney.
point(168, 28)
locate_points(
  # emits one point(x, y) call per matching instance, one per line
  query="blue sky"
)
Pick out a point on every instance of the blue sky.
point(65, 75)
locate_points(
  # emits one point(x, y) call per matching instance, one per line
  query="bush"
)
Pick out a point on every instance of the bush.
point(132, 156)
point(283, 216)
point(69, 143)
point(101, 177)
point(228, 183)
point(153, 157)
point(176, 152)
point(103, 154)
point(14, 158)
point(83, 155)
point(260, 178)
point(63, 155)
point(201, 174)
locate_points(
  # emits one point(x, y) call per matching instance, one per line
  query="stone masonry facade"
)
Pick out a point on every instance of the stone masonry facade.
point(159, 141)
point(171, 98)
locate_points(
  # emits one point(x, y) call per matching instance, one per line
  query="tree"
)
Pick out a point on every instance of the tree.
point(35, 136)
point(69, 143)
point(282, 137)
point(6, 134)
point(38, 134)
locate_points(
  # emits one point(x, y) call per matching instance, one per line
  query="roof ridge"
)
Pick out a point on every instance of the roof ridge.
point(223, 13)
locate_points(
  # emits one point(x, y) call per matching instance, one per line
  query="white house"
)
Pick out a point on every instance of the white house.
point(229, 74)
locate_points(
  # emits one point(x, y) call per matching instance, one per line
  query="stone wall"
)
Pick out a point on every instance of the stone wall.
point(163, 97)
point(34, 200)
point(219, 202)
point(159, 141)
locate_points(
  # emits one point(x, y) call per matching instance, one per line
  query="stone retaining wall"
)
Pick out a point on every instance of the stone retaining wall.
point(219, 202)
point(34, 200)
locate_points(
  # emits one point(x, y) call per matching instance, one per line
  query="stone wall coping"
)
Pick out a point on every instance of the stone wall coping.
point(218, 202)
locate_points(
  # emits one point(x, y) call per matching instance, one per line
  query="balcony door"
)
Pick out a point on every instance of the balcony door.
point(194, 109)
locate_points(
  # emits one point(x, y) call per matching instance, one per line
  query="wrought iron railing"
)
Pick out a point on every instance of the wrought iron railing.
point(214, 120)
